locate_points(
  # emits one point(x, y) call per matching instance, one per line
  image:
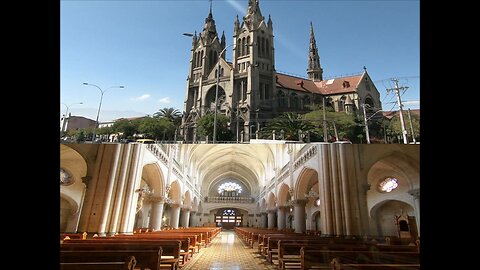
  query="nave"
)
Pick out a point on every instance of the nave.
point(227, 252)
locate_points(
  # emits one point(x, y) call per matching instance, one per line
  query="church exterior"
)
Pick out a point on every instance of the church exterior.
point(250, 91)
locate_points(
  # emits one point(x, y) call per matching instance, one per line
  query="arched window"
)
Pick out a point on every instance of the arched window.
point(341, 104)
point(201, 59)
point(387, 185)
point(267, 49)
point(243, 47)
point(248, 43)
point(194, 61)
point(281, 100)
point(229, 189)
point(294, 99)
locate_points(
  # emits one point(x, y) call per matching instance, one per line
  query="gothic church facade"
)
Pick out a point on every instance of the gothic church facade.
point(250, 91)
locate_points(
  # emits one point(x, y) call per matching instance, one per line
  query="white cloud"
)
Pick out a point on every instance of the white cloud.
point(237, 6)
point(142, 97)
point(165, 100)
point(412, 102)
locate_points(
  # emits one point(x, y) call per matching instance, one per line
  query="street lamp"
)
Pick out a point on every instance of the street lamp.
point(66, 114)
point(100, 105)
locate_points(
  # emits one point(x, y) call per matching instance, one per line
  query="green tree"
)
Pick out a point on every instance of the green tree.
point(205, 127)
point(395, 127)
point(346, 125)
point(126, 128)
point(106, 131)
point(156, 128)
point(172, 114)
point(291, 123)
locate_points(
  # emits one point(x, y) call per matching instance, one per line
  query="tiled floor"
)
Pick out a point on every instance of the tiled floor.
point(227, 252)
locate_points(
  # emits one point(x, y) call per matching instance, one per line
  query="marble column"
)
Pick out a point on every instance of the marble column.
point(271, 218)
point(119, 197)
point(281, 217)
point(416, 199)
point(156, 213)
point(299, 215)
point(185, 217)
point(193, 219)
point(174, 215)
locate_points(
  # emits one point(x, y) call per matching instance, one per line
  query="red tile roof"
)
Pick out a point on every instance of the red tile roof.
point(325, 87)
point(295, 83)
point(339, 85)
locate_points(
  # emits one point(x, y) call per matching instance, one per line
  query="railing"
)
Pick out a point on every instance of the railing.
point(305, 157)
point(229, 200)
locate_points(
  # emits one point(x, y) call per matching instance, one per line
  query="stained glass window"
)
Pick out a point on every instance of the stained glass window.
point(388, 184)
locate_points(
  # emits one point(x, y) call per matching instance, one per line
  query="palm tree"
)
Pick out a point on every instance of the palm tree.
point(171, 114)
point(291, 123)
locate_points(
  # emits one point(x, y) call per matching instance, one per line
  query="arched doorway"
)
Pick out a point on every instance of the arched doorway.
point(383, 216)
point(228, 218)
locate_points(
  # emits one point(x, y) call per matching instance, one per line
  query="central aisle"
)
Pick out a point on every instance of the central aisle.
point(226, 251)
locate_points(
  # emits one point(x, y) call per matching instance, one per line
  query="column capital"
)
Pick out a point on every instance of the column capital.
point(415, 193)
point(300, 202)
point(284, 207)
point(158, 199)
point(175, 205)
point(272, 210)
point(186, 208)
point(86, 179)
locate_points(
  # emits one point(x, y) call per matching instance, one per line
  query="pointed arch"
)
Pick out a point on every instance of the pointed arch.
point(175, 192)
point(271, 201)
point(187, 200)
point(283, 195)
point(307, 178)
point(152, 175)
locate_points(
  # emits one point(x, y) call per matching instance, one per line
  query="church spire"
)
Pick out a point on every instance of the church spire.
point(254, 16)
point(209, 30)
point(314, 71)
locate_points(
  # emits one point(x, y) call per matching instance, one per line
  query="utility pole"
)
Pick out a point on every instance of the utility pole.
point(335, 129)
point(400, 105)
point(366, 123)
point(411, 126)
point(325, 135)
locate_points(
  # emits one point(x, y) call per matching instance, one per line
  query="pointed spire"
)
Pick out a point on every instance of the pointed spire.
point(209, 30)
point(314, 71)
point(270, 24)
point(254, 15)
point(222, 42)
point(236, 25)
point(194, 39)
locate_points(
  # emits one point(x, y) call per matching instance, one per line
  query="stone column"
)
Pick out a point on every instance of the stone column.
point(271, 218)
point(299, 215)
point(416, 199)
point(281, 217)
point(263, 220)
point(326, 190)
point(119, 197)
point(193, 219)
point(102, 226)
point(337, 198)
point(185, 217)
point(174, 215)
point(156, 213)
point(345, 190)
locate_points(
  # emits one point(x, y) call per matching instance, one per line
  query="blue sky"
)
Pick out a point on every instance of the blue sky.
point(139, 44)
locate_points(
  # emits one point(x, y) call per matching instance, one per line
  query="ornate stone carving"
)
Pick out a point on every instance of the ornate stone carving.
point(415, 193)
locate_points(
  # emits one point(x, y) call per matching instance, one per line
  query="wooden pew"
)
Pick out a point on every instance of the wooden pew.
point(337, 265)
point(99, 258)
point(170, 248)
point(128, 263)
point(322, 259)
point(187, 246)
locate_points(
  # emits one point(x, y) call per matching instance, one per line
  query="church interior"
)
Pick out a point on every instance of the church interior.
point(244, 200)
